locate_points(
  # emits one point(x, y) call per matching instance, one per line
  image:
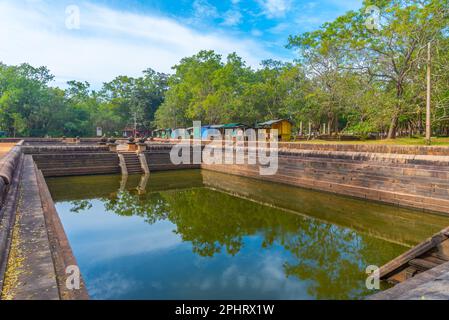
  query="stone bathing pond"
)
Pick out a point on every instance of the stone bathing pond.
point(199, 234)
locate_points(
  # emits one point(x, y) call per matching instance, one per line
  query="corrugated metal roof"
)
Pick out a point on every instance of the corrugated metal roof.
point(271, 122)
point(234, 125)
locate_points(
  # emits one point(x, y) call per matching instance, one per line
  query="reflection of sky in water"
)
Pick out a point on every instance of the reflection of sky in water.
point(104, 236)
point(176, 241)
point(122, 257)
point(181, 240)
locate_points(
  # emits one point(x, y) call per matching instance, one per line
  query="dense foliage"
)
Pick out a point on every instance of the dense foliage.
point(348, 76)
point(30, 107)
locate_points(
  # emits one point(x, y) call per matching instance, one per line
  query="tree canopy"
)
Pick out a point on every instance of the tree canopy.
point(30, 107)
point(351, 76)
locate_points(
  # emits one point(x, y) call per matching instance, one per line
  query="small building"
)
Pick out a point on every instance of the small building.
point(162, 133)
point(283, 126)
point(129, 131)
point(190, 132)
point(208, 131)
point(180, 133)
point(234, 129)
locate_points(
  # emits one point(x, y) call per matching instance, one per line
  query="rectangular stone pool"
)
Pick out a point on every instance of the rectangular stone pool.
point(203, 235)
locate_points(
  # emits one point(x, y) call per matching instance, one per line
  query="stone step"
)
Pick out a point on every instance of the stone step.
point(422, 264)
point(132, 162)
point(79, 171)
point(78, 164)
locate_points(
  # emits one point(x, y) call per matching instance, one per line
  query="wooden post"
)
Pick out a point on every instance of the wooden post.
point(428, 115)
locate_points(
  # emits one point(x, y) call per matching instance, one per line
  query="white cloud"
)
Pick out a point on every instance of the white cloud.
point(203, 9)
point(232, 18)
point(275, 8)
point(109, 42)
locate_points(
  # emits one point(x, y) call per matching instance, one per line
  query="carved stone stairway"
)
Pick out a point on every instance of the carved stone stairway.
point(132, 162)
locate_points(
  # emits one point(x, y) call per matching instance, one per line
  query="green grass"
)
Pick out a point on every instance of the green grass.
point(436, 141)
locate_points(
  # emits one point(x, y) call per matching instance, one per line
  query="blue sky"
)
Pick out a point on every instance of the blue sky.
point(125, 37)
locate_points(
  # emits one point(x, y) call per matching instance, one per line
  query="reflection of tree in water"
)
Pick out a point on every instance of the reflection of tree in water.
point(331, 258)
point(126, 203)
point(334, 257)
point(80, 205)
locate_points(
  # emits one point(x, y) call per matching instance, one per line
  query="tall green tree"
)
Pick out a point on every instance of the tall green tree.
point(389, 53)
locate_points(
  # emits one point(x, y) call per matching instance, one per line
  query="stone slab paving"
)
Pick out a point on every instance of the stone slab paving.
point(430, 285)
point(33, 272)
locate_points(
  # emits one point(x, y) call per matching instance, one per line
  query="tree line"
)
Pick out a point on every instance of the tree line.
point(352, 76)
point(29, 106)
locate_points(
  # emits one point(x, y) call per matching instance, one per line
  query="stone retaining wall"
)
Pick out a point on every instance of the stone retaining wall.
point(10, 140)
point(51, 141)
point(8, 165)
point(369, 148)
point(63, 149)
point(365, 148)
point(416, 181)
point(2, 191)
point(158, 159)
point(72, 164)
point(416, 177)
point(74, 160)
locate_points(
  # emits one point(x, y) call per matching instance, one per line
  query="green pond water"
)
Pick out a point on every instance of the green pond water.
point(204, 235)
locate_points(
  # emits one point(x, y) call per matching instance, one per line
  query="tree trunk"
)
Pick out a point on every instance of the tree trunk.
point(393, 126)
point(395, 117)
point(330, 122)
point(420, 124)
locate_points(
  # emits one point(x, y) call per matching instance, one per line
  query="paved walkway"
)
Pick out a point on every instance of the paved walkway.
point(30, 273)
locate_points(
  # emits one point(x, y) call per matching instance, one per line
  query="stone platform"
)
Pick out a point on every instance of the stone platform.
point(429, 285)
point(34, 250)
point(416, 177)
point(30, 273)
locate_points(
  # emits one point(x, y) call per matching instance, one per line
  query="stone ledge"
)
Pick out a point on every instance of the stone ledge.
point(7, 219)
point(31, 275)
point(385, 196)
point(430, 285)
point(8, 164)
point(59, 244)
